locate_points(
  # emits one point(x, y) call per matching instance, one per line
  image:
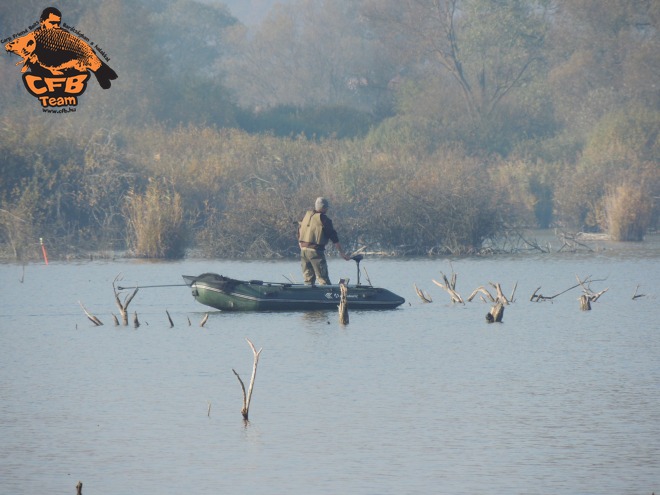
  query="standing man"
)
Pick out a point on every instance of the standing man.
point(313, 234)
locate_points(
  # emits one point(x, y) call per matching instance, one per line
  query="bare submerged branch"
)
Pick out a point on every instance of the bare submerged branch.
point(424, 296)
point(91, 317)
point(123, 307)
point(247, 397)
point(483, 290)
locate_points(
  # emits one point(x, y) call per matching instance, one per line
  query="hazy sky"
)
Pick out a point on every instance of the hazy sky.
point(249, 12)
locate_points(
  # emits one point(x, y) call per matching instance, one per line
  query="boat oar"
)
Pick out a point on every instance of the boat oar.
point(150, 286)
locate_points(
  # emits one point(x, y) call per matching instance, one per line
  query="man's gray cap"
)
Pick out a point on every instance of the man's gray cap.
point(321, 203)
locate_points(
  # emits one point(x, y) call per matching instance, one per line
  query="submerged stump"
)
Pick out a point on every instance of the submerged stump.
point(585, 303)
point(343, 305)
point(496, 313)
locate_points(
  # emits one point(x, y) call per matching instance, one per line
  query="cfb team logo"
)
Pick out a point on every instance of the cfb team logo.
point(56, 64)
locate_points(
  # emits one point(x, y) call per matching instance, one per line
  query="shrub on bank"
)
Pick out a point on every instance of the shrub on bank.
point(156, 227)
point(628, 209)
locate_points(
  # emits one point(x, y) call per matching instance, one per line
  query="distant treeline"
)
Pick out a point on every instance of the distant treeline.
point(431, 126)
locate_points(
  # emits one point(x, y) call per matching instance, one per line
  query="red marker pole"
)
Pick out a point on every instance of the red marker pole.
point(43, 249)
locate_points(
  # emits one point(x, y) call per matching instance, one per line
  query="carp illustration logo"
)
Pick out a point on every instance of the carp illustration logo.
point(59, 62)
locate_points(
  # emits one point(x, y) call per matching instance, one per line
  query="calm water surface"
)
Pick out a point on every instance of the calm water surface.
point(424, 399)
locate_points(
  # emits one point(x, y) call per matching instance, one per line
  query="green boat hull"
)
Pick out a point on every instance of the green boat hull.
point(228, 294)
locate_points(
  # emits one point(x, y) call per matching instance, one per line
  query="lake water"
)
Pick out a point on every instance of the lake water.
point(427, 398)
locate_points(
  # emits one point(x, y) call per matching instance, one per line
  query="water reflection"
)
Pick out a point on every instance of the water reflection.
point(317, 316)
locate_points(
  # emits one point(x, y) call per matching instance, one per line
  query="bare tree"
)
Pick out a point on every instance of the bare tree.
point(488, 48)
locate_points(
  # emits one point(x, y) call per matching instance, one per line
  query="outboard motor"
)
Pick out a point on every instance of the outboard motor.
point(357, 258)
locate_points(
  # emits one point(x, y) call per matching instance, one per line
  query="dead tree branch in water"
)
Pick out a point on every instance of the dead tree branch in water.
point(532, 244)
point(247, 397)
point(588, 295)
point(500, 298)
point(123, 307)
point(424, 296)
point(540, 297)
point(636, 295)
point(450, 287)
point(570, 241)
point(481, 289)
point(585, 299)
point(513, 292)
point(91, 317)
point(496, 313)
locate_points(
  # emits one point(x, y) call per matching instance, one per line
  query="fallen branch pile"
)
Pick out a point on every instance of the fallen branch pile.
point(570, 242)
